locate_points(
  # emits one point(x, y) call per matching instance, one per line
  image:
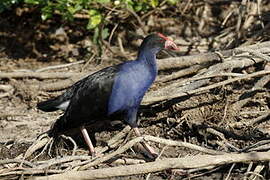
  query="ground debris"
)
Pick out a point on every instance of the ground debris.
point(207, 114)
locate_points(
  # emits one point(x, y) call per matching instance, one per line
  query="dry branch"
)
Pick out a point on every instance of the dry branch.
point(59, 66)
point(181, 73)
point(39, 75)
point(30, 171)
point(6, 114)
point(148, 138)
point(8, 89)
point(18, 161)
point(54, 161)
point(5, 88)
point(260, 119)
point(198, 161)
point(151, 100)
point(59, 85)
point(187, 61)
point(181, 144)
point(257, 86)
point(40, 142)
point(125, 161)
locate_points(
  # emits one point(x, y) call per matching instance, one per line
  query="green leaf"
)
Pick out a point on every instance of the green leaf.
point(154, 3)
point(46, 13)
point(105, 33)
point(35, 2)
point(129, 4)
point(96, 35)
point(94, 19)
point(103, 1)
point(173, 1)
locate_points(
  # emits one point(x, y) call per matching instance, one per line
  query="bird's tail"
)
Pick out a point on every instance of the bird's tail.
point(48, 106)
point(51, 104)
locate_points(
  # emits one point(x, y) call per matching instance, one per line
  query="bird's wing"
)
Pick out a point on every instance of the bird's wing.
point(90, 96)
point(62, 101)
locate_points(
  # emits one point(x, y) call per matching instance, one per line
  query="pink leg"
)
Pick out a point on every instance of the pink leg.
point(145, 145)
point(87, 140)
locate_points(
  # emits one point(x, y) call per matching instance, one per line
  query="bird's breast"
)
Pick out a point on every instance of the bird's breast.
point(129, 88)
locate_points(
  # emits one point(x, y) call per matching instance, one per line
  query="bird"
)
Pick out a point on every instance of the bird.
point(117, 89)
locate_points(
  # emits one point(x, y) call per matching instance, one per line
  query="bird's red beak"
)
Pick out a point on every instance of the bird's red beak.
point(169, 44)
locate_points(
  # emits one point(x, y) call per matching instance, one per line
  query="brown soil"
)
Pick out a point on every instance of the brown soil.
point(186, 119)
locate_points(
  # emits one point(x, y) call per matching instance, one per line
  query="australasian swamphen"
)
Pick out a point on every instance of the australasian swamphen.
point(115, 89)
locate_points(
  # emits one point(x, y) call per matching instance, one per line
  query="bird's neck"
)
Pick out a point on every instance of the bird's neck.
point(149, 59)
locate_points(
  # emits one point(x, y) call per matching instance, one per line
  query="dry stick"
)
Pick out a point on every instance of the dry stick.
point(183, 82)
point(5, 115)
point(113, 154)
point(248, 170)
point(142, 25)
point(115, 140)
point(54, 161)
point(181, 144)
point(160, 154)
point(8, 90)
point(128, 161)
point(210, 169)
point(239, 62)
point(75, 147)
point(59, 85)
point(187, 61)
point(257, 171)
point(255, 174)
point(149, 138)
point(4, 87)
point(255, 146)
point(40, 75)
point(258, 85)
point(50, 141)
point(39, 143)
point(32, 171)
point(150, 100)
point(198, 161)
point(230, 171)
point(216, 133)
point(89, 60)
point(181, 73)
point(255, 53)
point(18, 161)
point(260, 119)
point(222, 137)
point(59, 66)
point(119, 136)
point(112, 32)
point(5, 94)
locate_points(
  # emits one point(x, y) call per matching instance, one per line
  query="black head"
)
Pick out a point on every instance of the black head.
point(157, 42)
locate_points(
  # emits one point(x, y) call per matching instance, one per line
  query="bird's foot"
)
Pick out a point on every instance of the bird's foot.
point(153, 154)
